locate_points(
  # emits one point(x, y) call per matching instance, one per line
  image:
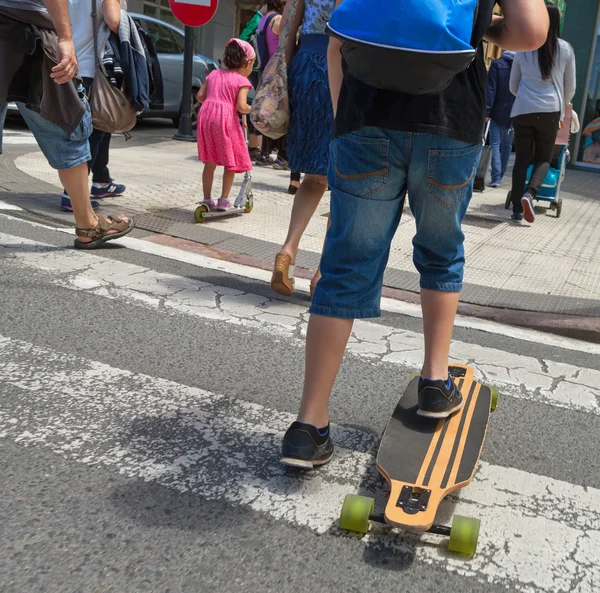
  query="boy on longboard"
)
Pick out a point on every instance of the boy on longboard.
point(386, 144)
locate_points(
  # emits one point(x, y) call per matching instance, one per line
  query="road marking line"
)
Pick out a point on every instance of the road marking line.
point(538, 534)
point(525, 377)
point(303, 285)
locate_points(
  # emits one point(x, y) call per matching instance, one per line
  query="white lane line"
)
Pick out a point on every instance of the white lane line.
point(538, 533)
point(8, 207)
point(546, 381)
point(303, 285)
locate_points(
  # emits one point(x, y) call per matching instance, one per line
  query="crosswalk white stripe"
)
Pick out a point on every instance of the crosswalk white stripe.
point(302, 285)
point(546, 381)
point(538, 533)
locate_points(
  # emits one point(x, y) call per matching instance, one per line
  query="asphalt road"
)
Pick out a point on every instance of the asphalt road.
point(142, 403)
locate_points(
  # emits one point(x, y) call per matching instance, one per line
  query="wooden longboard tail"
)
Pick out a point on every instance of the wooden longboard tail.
point(445, 452)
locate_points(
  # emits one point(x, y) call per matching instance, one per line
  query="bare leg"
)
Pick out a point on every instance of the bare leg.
point(254, 141)
point(439, 310)
point(75, 181)
point(208, 176)
point(326, 341)
point(306, 201)
point(228, 177)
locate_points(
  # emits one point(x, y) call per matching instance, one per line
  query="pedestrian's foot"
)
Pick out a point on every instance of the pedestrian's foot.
point(305, 446)
point(210, 203)
point(517, 216)
point(107, 190)
point(107, 228)
point(223, 204)
point(282, 281)
point(494, 184)
point(264, 161)
point(255, 153)
point(439, 398)
point(281, 165)
point(528, 211)
point(65, 204)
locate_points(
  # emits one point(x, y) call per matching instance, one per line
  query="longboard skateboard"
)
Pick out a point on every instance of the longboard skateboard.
point(424, 460)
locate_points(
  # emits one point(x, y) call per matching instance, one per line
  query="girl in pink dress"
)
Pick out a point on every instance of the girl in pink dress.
point(221, 140)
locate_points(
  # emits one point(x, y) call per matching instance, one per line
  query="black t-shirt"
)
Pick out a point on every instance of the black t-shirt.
point(458, 112)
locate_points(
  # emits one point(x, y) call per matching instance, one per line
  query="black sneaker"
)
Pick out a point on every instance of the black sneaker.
point(305, 446)
point(438, 399)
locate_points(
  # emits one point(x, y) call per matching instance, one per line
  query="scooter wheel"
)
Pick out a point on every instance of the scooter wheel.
point(248, 207)
point(199, 214)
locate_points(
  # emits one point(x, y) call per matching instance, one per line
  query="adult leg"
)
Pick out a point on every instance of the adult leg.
point(306, 200)
point(100, 147)
point(506, 149)
point(524, 145)
point(69, 155)
point(496, 146)
point(545, 130)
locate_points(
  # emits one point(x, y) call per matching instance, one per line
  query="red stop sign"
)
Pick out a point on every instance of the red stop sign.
point(194, 13)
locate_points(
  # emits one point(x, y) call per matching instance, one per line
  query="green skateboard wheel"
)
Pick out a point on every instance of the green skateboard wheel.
point(494, 398)
point(355, 513)
point(464, 535)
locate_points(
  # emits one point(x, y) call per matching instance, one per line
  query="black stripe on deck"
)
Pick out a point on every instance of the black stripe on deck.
point(461, 427)
point(474, 442)
point(407, 439)
point(439, 444)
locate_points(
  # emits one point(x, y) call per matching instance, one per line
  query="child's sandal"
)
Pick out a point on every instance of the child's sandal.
point(107, 229)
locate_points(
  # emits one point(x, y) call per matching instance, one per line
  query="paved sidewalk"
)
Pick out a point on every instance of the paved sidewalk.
point(552, 266)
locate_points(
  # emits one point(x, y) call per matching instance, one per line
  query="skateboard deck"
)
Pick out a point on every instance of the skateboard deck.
point(425, 459)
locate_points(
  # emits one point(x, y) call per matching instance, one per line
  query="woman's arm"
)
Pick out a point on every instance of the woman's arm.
point(242, 101)
point(334, 68)
point(290, 40)
point(570, 76)
point(112, 14)
point(515, 75)
point(524, 26)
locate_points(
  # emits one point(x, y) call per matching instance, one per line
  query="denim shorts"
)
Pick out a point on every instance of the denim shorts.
point(370, 173)
point(61, 149)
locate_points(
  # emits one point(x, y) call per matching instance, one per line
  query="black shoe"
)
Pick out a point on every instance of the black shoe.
point(304, 446)
point(438, 399)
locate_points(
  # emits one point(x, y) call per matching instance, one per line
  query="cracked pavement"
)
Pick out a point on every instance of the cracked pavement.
point(142, 402)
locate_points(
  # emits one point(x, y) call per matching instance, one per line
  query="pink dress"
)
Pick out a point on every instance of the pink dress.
point(220, 135)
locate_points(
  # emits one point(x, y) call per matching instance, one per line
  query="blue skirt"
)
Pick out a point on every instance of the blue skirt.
point(311, 114)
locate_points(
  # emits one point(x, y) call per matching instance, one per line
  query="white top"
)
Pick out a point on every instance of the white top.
point(536, 95)
point(80, 13)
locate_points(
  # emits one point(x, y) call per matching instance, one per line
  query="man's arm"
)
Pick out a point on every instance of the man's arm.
point(524, 26)
point(67, 66)
point(334, 67)
point(112, 14)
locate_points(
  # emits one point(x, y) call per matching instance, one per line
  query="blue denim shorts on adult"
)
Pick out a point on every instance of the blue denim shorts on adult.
point(370, 173)
point(61, 149)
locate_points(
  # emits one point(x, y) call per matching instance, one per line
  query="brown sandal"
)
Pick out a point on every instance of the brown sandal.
point(282, 281)
point(104, 231)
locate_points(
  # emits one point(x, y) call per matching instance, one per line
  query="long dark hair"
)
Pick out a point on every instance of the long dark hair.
point(547, 53)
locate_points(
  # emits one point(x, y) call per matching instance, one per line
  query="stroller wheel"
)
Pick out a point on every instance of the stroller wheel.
point(508, 200)
point(558, 207)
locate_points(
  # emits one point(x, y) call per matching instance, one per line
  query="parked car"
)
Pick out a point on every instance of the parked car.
point(169, 43)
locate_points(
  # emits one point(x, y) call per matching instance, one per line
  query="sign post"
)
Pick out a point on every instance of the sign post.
point(192, 13)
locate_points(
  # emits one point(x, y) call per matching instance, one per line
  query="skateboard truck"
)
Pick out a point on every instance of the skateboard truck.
point(412, 500)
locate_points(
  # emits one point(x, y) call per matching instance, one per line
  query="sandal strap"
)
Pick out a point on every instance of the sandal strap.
point(105, 224)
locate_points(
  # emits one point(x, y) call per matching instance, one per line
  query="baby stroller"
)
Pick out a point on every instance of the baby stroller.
point(550, 190)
